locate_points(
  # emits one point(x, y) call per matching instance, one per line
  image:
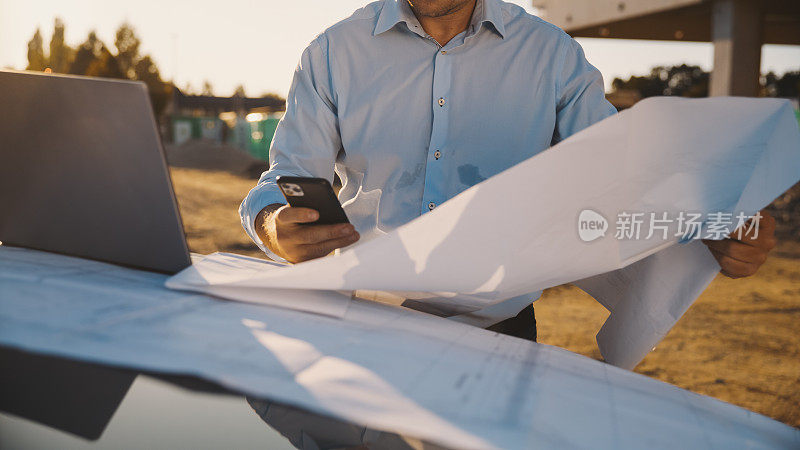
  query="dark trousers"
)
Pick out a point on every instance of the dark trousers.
point(523, 325)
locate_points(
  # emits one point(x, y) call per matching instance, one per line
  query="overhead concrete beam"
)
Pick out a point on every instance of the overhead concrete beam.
point(671, 20)
point(577, 14)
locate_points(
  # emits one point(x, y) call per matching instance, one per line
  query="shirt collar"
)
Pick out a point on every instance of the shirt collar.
point(392, 13)
point(396, 11)
point(489, 11)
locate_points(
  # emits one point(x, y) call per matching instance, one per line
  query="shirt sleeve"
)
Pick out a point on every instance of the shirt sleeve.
point(580, 94)
point(306, 140)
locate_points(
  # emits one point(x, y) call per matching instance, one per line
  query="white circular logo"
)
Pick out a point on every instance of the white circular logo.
point(591, 225)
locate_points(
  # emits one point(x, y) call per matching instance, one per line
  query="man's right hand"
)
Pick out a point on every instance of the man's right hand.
point(285, 230)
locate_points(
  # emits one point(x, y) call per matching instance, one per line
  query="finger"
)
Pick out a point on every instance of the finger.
point(764, 240)
point(321, 249)
point(733, 268)
point(290, 214)
point(315, 234)
point(766, 231)
point(738, 250)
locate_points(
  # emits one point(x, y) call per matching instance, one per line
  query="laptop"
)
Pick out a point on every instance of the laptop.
point(83, 172)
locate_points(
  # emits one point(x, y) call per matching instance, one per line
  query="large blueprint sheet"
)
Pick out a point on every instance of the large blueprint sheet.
point(386, 367)
point(517, 232)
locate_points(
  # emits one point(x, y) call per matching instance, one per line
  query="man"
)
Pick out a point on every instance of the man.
point(414, 101)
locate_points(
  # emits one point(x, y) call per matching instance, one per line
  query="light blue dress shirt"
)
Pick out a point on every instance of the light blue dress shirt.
point(408, 124)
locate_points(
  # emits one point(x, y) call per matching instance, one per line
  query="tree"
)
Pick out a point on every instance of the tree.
point(787, 86)
point(105, 65)
point(86, 53)
point(94, 58)
point(687, 81)
point(683, 80)
point(277, 102)
point(146, 71)
point(61, 54)
point(274, 97)
point(239, 91)
point(208, 90)
point(127, 44)
point(36, 58)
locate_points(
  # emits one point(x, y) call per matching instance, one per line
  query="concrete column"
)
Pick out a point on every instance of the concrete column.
point(736, 30)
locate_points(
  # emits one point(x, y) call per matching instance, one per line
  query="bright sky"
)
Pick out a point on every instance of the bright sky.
point(258, 42)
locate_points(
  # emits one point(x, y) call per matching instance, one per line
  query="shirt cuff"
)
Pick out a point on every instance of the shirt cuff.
point(255, 201)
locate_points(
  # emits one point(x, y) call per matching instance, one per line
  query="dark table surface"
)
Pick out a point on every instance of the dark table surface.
point(56, 403)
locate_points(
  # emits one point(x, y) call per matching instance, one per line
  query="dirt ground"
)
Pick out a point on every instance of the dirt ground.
point(209, 204)
point(740, 342)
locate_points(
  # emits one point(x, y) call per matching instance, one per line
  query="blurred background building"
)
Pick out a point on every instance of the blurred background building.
point(247, 123)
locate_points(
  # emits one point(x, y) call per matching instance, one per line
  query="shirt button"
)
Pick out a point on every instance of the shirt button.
point(431, 205)
point(444, 52)
point(441, 101)
point(437, 154)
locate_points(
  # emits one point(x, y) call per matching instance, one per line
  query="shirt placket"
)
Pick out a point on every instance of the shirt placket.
point(435, 191)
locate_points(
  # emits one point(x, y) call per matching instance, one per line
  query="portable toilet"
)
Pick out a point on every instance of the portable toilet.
point(262, 129)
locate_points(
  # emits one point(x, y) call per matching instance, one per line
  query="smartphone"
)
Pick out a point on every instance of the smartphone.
point(314, 193)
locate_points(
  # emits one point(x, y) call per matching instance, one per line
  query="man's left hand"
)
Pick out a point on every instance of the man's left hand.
point(742, 255)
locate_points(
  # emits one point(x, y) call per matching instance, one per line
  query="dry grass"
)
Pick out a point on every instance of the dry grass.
point(739, 342)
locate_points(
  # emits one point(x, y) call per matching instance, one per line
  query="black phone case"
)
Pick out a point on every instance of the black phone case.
point(318, 195)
